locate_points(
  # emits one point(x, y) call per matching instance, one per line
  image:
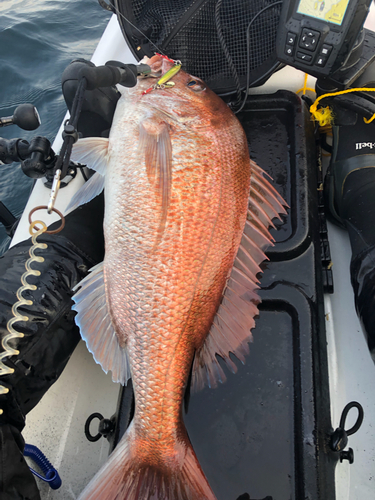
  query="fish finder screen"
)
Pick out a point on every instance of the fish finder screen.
point(332, 11)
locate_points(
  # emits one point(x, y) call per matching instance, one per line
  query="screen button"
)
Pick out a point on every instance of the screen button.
point(291, 39)
point(309, 39)
point(325, 50)
point(321, 61)
point(307, 58)
point(289, 50)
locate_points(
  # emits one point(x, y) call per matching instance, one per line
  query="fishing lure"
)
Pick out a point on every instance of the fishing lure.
point(163, 81)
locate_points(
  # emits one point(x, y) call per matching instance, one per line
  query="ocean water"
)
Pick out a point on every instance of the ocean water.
point(38, 39)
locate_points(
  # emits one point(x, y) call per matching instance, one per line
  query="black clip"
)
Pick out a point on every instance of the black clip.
point(106, 427)
point(339, 438)
point(70, 131)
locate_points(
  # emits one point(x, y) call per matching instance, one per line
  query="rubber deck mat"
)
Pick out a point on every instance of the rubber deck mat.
point(263, 433)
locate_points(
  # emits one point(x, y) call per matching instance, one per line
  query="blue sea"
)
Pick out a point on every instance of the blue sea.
point(38, 39)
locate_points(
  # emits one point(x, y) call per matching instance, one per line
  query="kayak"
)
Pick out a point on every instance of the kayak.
point(324, 368)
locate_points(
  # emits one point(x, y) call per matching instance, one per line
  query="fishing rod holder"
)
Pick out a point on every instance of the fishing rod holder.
point(36, 157)
point(26, 116)
point(112, 73)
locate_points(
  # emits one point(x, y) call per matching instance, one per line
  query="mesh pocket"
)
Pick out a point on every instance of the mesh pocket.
point(208, 36)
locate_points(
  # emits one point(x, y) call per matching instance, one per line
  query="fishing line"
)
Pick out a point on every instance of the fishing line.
point(225, 49)
point(141, 32)
point(228, 57)
point(248, 53)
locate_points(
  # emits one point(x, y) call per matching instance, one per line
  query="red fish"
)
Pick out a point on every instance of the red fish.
point(186, 224)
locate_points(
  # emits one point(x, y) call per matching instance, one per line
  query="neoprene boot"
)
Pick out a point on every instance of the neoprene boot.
point(350, 191)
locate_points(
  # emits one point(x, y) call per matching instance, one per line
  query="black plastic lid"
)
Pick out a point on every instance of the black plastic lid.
point(263, 433)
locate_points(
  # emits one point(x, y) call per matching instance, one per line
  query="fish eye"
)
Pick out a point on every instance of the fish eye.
point(196, 85)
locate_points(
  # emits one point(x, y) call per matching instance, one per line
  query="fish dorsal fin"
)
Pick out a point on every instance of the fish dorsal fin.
point(155, 143)
point(96, 326)
point(230, 330)
point(93, 152)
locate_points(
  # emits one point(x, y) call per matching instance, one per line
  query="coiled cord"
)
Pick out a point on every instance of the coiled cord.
point(17, 316)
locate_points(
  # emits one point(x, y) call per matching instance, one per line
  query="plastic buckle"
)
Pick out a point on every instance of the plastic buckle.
point(70, 131)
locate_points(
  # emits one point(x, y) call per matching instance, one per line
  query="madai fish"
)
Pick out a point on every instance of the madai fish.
point(186, 225)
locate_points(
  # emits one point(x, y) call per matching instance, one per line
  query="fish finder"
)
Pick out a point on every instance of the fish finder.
point(326, 38)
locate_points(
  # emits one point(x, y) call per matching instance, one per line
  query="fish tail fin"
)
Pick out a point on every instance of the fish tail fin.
point(129, 476)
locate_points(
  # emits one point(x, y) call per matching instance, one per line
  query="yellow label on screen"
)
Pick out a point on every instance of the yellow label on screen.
point(332, 11)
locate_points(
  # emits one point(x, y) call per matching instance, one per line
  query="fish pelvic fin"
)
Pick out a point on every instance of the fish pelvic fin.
point(155, 143)
point(92, 151)
point(128, 475)
point(93, 187)
point(94, 322)
point(231, 328)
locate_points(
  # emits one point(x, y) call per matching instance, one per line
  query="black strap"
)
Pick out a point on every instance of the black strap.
point(63, 159)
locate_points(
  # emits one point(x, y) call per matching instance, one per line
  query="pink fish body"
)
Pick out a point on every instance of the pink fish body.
point(183, 245)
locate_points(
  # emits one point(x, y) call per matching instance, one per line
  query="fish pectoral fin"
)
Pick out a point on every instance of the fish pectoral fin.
point(96, 327)
point(93, 152)
point(155, 143)
point(93, 187)
point(230, 330)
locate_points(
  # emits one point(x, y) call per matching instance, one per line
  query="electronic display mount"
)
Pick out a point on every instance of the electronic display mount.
point(326, 38)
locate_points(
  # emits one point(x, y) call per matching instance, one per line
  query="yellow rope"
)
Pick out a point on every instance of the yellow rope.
point(324, 115)
point(305, 87)
point(303, 90)
point(370, 119)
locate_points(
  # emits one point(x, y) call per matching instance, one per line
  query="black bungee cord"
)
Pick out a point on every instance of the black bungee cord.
point(240, 101)
point(70, 134)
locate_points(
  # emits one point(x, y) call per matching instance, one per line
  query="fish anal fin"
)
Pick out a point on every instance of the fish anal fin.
point(96, 327)
point(231, 328)
point(155, 143)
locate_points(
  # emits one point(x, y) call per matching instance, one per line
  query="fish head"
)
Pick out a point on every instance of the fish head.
point(184, 98)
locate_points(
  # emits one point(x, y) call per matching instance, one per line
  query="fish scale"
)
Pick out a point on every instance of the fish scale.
point(178, 282)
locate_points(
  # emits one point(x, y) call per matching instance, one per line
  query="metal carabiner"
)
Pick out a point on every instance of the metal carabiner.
point(54, 191)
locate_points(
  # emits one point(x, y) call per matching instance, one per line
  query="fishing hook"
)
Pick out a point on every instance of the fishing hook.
point(163, 81)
